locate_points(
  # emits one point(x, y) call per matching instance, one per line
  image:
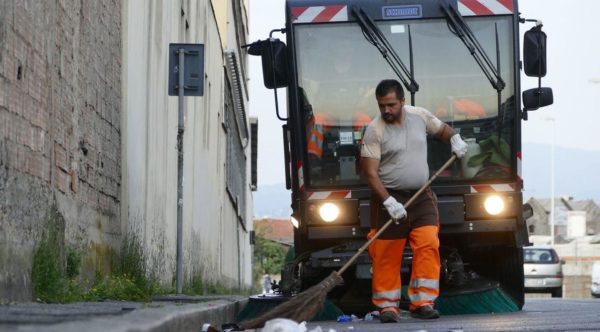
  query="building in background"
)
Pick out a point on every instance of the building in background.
point(577, 239)
point(276, 230)
point(568, 217)
point(88, 139)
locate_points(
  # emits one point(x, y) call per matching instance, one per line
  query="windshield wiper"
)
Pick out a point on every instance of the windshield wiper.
point(374, 36)
point(459, 27)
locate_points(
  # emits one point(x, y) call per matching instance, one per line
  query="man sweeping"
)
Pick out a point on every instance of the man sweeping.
point(394, 161)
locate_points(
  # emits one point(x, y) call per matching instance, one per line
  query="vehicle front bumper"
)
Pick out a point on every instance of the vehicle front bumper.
point(356, 232)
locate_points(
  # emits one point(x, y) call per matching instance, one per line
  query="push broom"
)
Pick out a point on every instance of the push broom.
point(306, 304)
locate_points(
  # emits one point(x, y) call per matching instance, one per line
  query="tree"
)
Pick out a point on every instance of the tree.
point(268, 255)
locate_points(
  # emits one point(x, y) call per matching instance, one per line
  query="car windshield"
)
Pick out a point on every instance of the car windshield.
point(540, 256)
point(338, 71)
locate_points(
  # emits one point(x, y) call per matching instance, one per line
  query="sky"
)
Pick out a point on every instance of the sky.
point(573, 74)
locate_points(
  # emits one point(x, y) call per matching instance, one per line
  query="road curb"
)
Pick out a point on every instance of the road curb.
point(157, 316)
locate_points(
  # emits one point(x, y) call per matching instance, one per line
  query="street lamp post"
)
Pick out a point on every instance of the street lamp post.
point(552, 221)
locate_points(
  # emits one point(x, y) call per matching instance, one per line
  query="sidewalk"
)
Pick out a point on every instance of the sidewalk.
point(168, 313)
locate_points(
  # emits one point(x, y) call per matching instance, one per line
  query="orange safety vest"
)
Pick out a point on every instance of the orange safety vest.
point(360, 120)
point(317, 126)
point(469, 108)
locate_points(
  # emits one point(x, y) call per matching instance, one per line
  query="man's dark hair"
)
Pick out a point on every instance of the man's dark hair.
point(386, 86)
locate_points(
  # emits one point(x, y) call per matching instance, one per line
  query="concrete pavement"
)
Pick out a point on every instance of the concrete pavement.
point(538, 315)
point(168, 313)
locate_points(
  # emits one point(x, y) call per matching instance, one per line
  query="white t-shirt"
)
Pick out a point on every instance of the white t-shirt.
point(401, 150)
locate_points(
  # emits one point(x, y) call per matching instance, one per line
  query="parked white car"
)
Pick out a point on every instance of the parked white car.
point(596, 279)
point(543, 271)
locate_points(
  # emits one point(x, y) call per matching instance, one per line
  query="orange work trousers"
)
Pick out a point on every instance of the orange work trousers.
point(386, 256)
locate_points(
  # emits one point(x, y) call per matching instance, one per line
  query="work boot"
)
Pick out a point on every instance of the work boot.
point(425, 312)
point(389, 315)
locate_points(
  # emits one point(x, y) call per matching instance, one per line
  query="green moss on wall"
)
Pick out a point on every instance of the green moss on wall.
point(57, 270)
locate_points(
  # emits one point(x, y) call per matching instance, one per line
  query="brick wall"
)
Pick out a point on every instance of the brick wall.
point(60, 67)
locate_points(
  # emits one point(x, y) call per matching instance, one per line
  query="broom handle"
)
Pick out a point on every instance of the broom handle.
point(389, 222)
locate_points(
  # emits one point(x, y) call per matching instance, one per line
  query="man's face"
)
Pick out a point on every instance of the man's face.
point(390, 107)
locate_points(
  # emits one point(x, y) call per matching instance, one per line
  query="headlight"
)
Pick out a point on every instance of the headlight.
point(494, 205)
point(339, 212)
point(294, 222)
point(329, 212)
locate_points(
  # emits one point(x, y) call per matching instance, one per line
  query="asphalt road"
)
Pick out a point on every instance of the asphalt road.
point(537, 315)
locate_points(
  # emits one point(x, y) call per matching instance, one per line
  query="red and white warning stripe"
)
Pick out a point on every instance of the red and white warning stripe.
point(328, 195)
point(519, 169)
point(317, 14)
point(491, 188)
point(300, 176)
point(485, 7)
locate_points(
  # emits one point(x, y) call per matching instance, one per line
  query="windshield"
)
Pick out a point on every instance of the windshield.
point(338, 71)
point(540, 256)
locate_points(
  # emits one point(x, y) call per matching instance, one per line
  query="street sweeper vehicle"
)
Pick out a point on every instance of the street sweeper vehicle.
point(461, 60)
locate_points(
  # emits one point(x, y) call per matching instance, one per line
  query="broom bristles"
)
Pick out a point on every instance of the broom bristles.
point(300, 308)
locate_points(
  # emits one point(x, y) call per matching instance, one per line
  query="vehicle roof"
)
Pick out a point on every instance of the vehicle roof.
point(430, 9)
point(539, 247)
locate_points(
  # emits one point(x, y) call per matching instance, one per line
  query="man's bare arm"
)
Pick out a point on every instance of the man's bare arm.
point(445, 133)
point(370, 169)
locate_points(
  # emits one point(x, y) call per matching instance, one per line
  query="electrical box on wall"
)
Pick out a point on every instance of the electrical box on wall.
point(193, 67)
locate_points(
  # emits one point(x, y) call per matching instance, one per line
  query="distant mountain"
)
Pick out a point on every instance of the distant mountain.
point(272, 201)
point(577, 174)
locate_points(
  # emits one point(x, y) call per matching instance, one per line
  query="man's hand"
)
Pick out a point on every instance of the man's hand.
point(459, 147)
point(394, 208)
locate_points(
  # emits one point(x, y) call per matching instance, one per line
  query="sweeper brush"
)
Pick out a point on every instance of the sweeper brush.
point(493, 300)
point(300, 308)
point(260, 304)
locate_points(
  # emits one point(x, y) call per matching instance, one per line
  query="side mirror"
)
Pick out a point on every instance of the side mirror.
point(562, 262)
point(536, 98)
point(534, 52)
point(273, 53)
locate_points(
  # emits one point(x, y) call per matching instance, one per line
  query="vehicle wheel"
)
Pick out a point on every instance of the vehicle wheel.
point(557, 292)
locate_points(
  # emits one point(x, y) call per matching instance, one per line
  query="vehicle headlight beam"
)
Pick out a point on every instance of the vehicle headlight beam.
point(329, 212)
point(494, 205)
point(294, 222)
